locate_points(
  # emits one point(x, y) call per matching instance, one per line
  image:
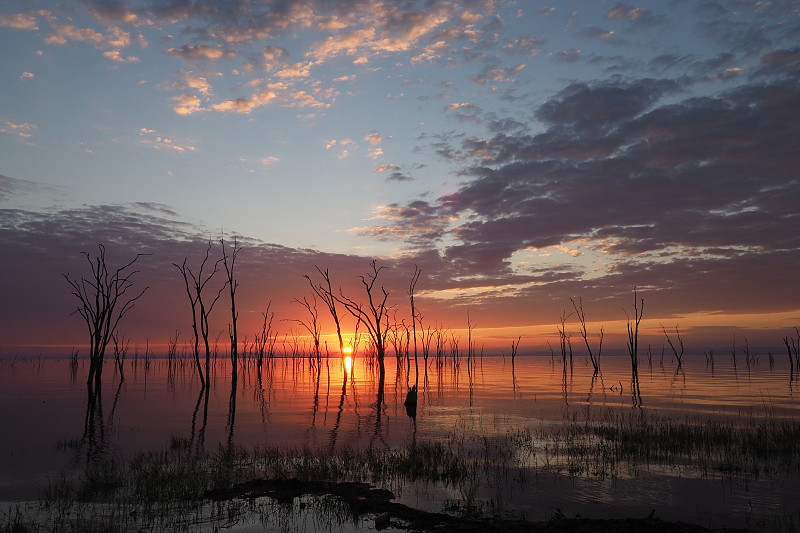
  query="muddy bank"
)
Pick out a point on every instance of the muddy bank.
point(363, 499)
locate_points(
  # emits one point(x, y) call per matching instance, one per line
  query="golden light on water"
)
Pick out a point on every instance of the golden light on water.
point(348, 363)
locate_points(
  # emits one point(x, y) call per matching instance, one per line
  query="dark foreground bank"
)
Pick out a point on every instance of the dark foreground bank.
point(361, 499)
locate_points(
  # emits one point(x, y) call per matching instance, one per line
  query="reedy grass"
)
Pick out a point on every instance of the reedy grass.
point(169, 489)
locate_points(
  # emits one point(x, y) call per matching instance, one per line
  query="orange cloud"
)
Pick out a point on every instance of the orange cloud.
point(167, 144)
point(19, 21)
point(23, 130)
point(186, 104)
point(373, 137)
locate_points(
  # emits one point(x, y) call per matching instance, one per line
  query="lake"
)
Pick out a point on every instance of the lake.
point(564, 412)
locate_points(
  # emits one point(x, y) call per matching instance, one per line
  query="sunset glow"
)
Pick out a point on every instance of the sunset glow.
point(519, 154)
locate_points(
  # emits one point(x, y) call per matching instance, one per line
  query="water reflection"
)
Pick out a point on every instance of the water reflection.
point(94, 433)
point(198, 437)
point(232, 407)
point(282, 402)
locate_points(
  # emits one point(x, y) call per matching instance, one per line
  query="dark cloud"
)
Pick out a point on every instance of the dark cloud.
point(685, 196)
point(36, 248)
point(398, 176)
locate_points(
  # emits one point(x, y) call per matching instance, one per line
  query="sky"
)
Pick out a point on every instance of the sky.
point(519, 153)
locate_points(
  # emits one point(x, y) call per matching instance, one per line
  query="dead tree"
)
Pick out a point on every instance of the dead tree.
point(582, 318)
point(633, 330)
point(376, 317)
point(232, 285)
point(566, 343)
point(311, 324)
point(264, 343)
point(678, 355)
point(200, 310)
point(633, 344)
point(793, 347)
point(103, 302)
point(411, 286)
point(325, 293)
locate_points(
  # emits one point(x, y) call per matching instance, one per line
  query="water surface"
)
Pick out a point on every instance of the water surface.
point(46, 409)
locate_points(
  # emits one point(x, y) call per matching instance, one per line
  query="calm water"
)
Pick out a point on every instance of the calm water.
point(44, 405)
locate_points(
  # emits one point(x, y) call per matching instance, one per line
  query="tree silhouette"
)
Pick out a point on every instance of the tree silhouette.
point(325, 293)
point(104, 300)
point(200, 310)
point(232, 285)
point(376, 317)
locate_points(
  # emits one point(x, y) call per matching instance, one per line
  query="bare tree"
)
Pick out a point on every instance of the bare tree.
point(325, 293)
point(566, 343)
point(411, 287)
point(678, 355)
point(311, 324)
point(103, 302)
point(200, 310)
point(633, 330)
point(582, 318)
point(376, 317)
point(232, 285)
point(793, 347)
point(633, 344)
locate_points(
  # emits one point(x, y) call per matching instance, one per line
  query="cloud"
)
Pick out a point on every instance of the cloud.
point(497, 74)
point(191, 54)
point(453, 106)
point(188, 80)
point(418, 223)
point(343, 147)
point(373, 137)
point(398, 176)
point(382, 28)
point(37, 303)
point(23, 130)
point(622, 11)
point(164, 144)
point(21, 21)
point(641, 177)
point(384, 168)
point(115, 55)
point(598, 33)
point(297, 70)
point(569, 56)
point(25, 76)
point(115, 38)
point(186, 104)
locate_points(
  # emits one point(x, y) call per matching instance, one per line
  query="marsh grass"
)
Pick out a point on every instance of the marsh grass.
point(481, 466)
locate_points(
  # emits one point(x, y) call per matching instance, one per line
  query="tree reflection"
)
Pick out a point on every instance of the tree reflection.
point(198, 436)
point(232, 407)
point(94, 435)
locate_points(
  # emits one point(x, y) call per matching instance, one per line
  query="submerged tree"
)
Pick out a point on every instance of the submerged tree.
point(104, 300)
point(325, 293)
point(232, 285)
point(678, 354)
point(376, 317)
point(311, 324)
point(200, 308)
point(582, 318)
point(633, 344)
point(411, 287)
